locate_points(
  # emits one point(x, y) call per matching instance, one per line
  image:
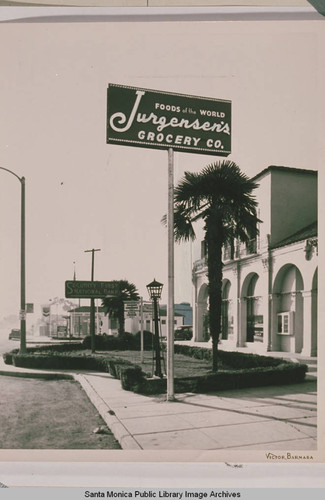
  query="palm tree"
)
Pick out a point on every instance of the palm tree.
point(114, 306)
point(221, 196)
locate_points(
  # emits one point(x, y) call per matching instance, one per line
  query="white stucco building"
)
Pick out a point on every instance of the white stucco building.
point(270, 285)
point(133, 324)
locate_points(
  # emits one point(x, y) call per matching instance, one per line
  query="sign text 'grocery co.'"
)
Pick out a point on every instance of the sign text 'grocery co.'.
point(163, 120)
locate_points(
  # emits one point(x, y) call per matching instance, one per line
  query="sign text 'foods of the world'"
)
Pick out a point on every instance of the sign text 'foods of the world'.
point(163, 120)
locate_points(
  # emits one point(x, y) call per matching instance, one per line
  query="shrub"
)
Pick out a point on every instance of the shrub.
point(150, 387)
point(286, 373)
point(131, 377)
point(58, 361)
point(232, 359)
point(57, 347)
point(7, 356)
point(148, 339)
point(109, 342)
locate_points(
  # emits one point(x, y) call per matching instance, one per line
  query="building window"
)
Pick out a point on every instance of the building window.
point(204, 249)
point(285, 323)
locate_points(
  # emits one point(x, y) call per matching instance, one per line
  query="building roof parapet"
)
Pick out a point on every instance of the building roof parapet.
point(279, 168)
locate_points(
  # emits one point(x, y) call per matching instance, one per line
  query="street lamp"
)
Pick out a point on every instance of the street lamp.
point(50, 303)
point(22, 313)
point(154, 289)
point(92, 301)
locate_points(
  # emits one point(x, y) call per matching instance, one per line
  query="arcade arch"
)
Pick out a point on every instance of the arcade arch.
point(226, 311)
point(251, 320)
point(314, 312)
point(287, 314)
point(202, 314)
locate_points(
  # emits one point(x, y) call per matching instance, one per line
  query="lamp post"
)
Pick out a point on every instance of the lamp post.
point(50, 302)
point(92, 301)
point(154, 289)
point(22, 313)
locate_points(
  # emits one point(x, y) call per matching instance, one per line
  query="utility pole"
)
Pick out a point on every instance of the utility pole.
point(92, 301)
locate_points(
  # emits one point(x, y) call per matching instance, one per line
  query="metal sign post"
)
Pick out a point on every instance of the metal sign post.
point(170, 306)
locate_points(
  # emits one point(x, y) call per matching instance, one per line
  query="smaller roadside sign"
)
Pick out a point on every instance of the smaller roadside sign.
point(131, 304)
point(131, 314)
point(29, 308)
point(148, 308)
point(131, 308)
point(91, 289)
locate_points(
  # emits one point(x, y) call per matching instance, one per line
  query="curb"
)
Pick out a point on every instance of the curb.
point(121, 433)
point(41, 375)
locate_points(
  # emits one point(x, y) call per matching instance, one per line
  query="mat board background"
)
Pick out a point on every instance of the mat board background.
point(58, 66)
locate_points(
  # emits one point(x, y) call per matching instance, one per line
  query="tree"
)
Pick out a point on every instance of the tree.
point(221, 196)
point(114, 306)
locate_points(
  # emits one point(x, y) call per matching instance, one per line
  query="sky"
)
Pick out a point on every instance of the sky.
point(82, 193)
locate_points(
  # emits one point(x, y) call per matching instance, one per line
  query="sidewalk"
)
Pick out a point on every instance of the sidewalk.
point(268, 418)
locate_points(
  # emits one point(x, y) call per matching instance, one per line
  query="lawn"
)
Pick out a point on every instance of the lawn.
point(184, 366)
point(47, 414)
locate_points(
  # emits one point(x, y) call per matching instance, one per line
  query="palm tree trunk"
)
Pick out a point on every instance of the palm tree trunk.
point(214, 241)
point(121, 321)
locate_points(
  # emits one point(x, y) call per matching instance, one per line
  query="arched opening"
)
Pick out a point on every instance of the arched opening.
point(251, 311)
point(226, 312)
point(314, 314)
point(203, 333)
point(287, 331)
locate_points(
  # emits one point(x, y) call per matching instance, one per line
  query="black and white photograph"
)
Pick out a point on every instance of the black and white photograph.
point(159, 181)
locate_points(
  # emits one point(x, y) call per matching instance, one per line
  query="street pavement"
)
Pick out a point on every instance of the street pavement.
point(267, 418)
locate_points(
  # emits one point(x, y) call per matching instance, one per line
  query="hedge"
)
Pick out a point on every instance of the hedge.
point(125, 342)
point(57, 347)
point(59, 361)
point(232, 359)
point(248, 374)
point(7, 356)
point(286, 373)
point(64, 361)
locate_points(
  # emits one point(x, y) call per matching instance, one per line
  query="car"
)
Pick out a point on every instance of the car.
point(14, 334)
point(184, 332)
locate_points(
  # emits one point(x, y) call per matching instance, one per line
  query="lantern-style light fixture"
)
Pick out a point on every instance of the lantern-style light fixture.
point(154, 289)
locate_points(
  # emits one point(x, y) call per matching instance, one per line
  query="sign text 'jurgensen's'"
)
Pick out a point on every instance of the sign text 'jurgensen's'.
point(162, 120)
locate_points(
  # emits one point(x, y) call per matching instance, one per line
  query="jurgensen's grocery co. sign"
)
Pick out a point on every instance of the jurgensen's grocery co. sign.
point(154, 119)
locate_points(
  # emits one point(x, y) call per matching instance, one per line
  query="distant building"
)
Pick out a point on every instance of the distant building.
point(55, 318)
point(185, 309)
point(133, 324)
point(269, 288)
point(80, 321)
